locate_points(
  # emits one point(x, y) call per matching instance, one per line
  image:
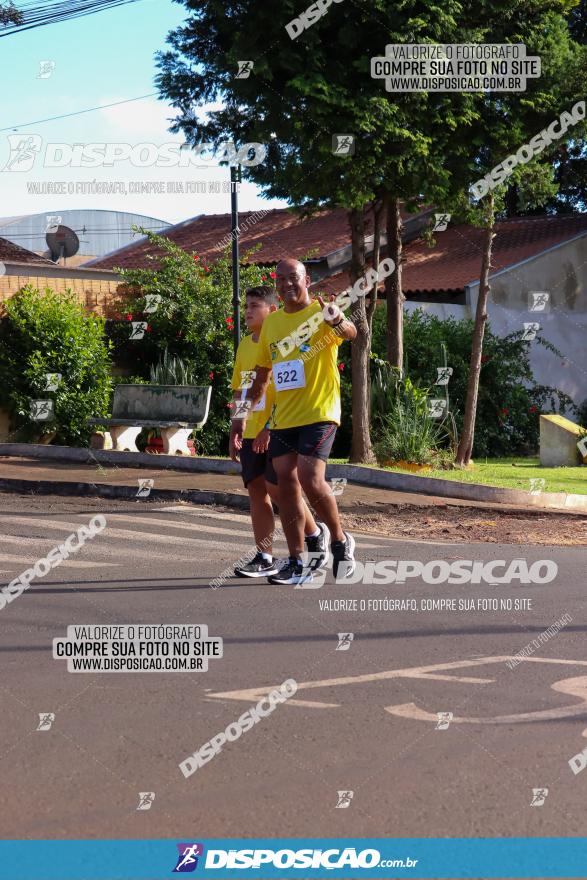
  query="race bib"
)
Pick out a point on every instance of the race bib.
point(289, 375)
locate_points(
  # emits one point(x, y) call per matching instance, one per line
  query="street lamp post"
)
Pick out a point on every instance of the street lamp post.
point(235, 179)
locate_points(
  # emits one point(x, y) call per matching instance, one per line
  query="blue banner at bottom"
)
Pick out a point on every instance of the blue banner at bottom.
point(382, 858)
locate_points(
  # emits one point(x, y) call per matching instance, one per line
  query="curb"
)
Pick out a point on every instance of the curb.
point(108, 490)
point(358, 474)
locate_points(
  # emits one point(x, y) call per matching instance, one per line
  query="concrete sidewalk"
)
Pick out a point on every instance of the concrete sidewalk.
point(31, 475)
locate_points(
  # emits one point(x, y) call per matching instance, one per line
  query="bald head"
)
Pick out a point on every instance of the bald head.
point(289, 265)
point(292, 282)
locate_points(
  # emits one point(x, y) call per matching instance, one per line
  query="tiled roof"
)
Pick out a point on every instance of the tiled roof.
point(453, 262)
point(455, 259)
point(14, 253)
point(280, 232)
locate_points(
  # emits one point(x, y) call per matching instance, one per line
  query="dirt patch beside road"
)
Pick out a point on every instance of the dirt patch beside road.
point(451, 523)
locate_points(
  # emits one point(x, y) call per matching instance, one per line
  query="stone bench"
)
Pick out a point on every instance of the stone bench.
point(175, 409)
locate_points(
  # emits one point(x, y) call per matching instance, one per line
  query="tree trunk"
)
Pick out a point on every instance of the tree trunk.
point(393, 285)
point(371, 301)
point(465, 448)
point(361, 449)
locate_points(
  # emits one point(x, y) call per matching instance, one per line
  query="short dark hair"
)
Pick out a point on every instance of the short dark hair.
point(265, 292)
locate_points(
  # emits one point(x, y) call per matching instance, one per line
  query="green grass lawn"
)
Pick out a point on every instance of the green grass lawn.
point(506, 473)
point(515, 473)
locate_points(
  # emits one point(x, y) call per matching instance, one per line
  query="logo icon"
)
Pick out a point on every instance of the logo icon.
point(53, 222)
point(312, 567)
point(145, 487)
point(443, 375)
point(244, 69)
point(436, 408)
point(344, 799)
point(247, 377)
point(343, 144)
point(52, 380)
point(441, 221)
point(338, 484)
point(23, 151)
point(344, 641)
point(240, 408)
point(41, 410)
point(582, 446)
point(539, 795)
point(444, 719)
point(138, 329)
point(187, 860)
point(46, 68)
point(146, 799)
point(538, 300)
point(46, 719)
point(530, 330)
point(152, 301)
point(537, 485)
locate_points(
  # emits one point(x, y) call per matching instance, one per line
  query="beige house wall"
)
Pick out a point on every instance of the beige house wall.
point(96, 290)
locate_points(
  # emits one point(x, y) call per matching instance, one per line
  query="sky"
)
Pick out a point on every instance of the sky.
point(94, 61)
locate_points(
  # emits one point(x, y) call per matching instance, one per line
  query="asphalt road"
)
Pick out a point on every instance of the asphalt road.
point(363, 719)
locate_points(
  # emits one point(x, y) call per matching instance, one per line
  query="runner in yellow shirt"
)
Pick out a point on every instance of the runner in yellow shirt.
point(257, 472)
point(298, 345)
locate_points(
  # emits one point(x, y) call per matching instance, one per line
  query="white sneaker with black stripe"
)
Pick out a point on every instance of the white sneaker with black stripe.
point(293, 572)
point(258, 567)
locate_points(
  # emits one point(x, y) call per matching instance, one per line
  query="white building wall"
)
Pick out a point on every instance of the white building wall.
point(562, 271)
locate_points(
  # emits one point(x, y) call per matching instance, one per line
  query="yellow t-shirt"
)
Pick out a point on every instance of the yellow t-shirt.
point(247, 358)
point(302, 351)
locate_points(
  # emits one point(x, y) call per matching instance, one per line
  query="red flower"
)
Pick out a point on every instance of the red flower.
point(504, 412)
point(206, 268)
point(341, 367)
point(533, 409)
point(273, 275)
point(484, 358)
point(128, 317)
point(211, 376)
point(196, 258)
point(263, 278)
point(228, 320)
point(148, 328)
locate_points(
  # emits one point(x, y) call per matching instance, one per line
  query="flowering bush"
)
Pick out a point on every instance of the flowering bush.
point(192, 319)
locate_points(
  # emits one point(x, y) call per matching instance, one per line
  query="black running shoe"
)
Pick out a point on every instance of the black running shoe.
point(293, 572)
point(317, 547)
point(343, 556)
point(258, 567)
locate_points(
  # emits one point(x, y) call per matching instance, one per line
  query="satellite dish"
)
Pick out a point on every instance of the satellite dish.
point(62, 242)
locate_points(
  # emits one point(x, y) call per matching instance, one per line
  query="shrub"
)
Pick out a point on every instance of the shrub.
point(51, 333)
point(400, 413)
point(192, 321)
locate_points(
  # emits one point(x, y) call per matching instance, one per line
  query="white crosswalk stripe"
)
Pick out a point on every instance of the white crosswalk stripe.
point(32, 557)
point(147, 534)
point(367, 543)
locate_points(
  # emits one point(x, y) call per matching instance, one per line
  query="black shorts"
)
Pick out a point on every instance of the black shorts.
point(255, 464)
point(314, 441)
